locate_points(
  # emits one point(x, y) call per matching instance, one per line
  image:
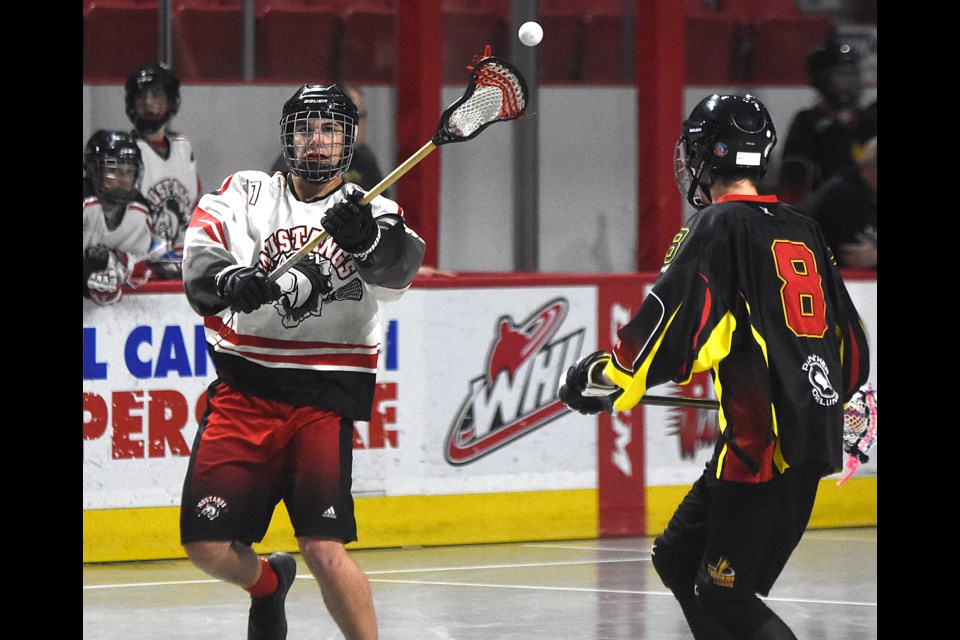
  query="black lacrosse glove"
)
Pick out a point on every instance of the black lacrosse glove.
point(582, 393)
point(246, 289)
point(352, 226)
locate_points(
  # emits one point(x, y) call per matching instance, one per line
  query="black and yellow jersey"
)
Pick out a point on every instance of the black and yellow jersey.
point(750, 291)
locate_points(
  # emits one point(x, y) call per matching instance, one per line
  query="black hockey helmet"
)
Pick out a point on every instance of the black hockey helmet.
point(834, 69)
point(332, 105)
point(725, 134)
point(106, 151)
point(149, 76)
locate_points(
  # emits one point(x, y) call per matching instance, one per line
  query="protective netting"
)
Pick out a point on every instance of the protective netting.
point(498, 95)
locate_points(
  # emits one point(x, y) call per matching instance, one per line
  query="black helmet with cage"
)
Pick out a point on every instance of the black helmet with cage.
point(152, 76)
point(105, 152)
point(725, 135)
point(834, 69)
point(325, 113)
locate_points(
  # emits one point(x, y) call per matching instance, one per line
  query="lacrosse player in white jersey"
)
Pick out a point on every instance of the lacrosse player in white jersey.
point(116, 219)
point(296, 362)
point(171, 183)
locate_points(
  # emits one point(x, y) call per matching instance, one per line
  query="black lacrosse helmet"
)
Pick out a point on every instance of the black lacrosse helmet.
point(152, 75)
point(834, 69)
point(725, 134)
point(331, 104)
point(105, 151)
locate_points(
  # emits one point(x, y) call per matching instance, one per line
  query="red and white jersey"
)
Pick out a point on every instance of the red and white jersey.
point(132, 235)
point(325, 354)
point(171, 185)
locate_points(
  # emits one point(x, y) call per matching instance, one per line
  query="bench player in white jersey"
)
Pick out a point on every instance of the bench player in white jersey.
point(296, 362)
point(171, 183)
point(116, 219)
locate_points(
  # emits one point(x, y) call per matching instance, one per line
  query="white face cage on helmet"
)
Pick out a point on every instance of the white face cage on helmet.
point(318, 146)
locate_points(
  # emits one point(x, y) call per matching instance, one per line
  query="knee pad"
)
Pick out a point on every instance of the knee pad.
point(676, 569)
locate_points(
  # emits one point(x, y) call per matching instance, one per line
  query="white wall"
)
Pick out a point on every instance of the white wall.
point(588, 149)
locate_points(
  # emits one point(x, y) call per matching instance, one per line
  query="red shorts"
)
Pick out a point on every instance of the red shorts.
point(250, 453)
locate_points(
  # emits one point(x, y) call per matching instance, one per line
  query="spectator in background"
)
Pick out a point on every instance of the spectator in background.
point(116, 218)
point(827, 137)
point(845, 207)
point(364, 169)
point(171, 183)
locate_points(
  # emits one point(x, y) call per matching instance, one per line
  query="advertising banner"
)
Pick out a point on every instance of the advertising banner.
point(466, 400)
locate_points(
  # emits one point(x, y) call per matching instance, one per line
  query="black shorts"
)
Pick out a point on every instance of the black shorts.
point(250, 453)
point(741, 534)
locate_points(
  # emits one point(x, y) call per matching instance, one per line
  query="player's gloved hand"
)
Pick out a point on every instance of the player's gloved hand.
point(106, 285)
point(583, 391)
point(352, 226)
point(246, 289)
point(105, 280)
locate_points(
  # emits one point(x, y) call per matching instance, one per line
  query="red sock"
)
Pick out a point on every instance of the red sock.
point(267, 583)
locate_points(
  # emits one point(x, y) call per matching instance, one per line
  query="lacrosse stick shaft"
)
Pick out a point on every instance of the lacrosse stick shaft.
point(382, 186)
point(399, 172)
point(298, 256)
point(672, 401)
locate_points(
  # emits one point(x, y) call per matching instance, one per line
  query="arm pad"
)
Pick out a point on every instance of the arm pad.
point(395, 260)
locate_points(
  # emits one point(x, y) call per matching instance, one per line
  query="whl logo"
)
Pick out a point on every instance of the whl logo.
point(518, 392)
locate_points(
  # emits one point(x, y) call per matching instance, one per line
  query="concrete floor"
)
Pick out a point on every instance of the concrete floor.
point(566, 590)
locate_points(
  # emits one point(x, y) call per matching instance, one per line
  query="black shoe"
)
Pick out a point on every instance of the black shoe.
point(267, 620)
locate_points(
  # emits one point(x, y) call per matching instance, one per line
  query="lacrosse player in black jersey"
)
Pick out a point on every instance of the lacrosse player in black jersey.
point(749, 291)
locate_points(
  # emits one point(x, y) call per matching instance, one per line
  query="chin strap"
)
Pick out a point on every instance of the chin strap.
point(697, 190)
